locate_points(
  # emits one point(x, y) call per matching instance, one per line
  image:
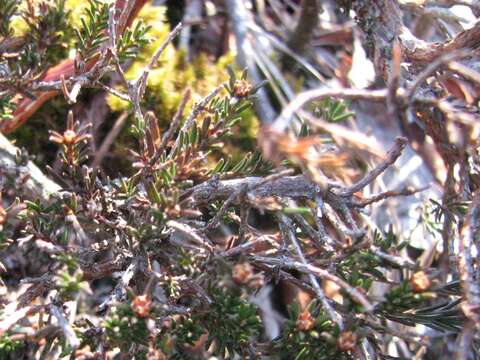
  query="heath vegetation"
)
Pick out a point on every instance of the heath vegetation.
point(226, 179)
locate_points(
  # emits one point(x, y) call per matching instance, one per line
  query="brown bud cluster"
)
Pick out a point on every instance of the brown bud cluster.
point(419, 282)
point(243, 274)
point(3, 215)
point(242, 88)
point(347, 341)
point(305, 321)
point(72, 139)
point(155, 354)
point(87, 354)
point(69, 137)
point(141, 306)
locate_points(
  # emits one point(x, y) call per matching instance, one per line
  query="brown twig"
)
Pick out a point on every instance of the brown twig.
point(304, 29)
point(406, 191)
point(430, 70)
point(392, 156)
point(141, 81)
point(261, 242)
point(103, 269)
point(191, 233)
point(465, 340)
point(342, 230)
point(448, 222)
point(394, 82)
point(464, 71)
point(397, 260)
point(427, 52)
point(175, 123)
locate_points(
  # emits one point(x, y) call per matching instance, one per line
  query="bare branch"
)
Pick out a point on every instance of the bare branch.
point(305, 27)
point(119, 293)
point(175, 122)
point(290, 232)
point(289, 186)
point(67, 329)
point(392, 156)
point(430, 70)
point(310, 269)
point(406, 191)
point(191, 233)
point(141, 81)
point(428, 52)
point(34, 184)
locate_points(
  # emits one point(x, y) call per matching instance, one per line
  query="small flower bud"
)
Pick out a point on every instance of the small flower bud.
point(141, 306)
point(420, 282)
point(3, 215)
point(69, 137)
point(346, 341)
point(242, 88)
point(242, 272)
point(305, 321)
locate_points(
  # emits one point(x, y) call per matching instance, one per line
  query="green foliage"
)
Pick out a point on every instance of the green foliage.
point(43, 34)
point(432, 218)
point(402, 298)
point(3, 238)
point(92, 33)
point(332, 110)
point(388, 241)
point(409, 308)
point(246, 166)
point(442, 316)
point(187, 332)
point(8, 346)
point(230, 323)
point(7, 107)
point(7, 10)
point(360, 268)
point(148, 221)
point(132, 40)
point(69, 284)
point(297, 210)
point(124, 328)
point(49, 30)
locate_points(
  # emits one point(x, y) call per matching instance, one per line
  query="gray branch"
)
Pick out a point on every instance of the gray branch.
point(34, 184)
